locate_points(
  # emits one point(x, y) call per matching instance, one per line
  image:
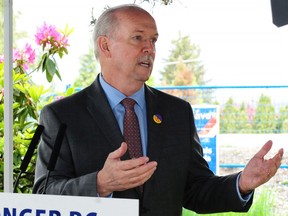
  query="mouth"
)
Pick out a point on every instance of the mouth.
point(146, 64)
point(146, 61)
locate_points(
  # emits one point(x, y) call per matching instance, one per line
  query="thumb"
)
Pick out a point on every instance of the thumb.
point(264, 150)
point(118, 153)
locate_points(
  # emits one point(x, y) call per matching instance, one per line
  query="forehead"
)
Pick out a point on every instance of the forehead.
point(137, 20)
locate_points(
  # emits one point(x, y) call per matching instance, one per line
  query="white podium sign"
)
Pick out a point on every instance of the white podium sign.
point(12, 204)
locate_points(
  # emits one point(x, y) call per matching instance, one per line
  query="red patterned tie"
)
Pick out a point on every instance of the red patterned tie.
point(131, 129)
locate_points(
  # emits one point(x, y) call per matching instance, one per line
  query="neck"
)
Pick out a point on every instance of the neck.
point(123, 85)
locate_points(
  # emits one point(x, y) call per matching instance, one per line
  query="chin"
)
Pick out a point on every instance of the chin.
point(144, 76)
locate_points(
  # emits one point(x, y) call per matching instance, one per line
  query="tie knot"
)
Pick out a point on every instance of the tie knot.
point(128, 103)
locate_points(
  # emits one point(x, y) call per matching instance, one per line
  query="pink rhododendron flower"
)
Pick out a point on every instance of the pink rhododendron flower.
point(16, 55)
point(24, 57)
point(29, 53)
point(48, 35)
point(52, 42)
point(1, 59)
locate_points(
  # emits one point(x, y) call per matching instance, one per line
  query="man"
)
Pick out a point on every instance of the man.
point(94, 159)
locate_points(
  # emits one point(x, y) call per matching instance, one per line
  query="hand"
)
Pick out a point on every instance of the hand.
point(259, 170)
point(118, 175)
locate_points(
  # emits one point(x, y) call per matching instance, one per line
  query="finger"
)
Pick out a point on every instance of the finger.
point(135, 177)
point(145, 168)
point(278, 157)
point(264, 150)
point(281, 152)
point(140, 175)
point(133, 163)
point(118, 153)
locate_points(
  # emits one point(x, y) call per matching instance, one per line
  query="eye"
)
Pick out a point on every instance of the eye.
point(138, 37)
point(154, 40)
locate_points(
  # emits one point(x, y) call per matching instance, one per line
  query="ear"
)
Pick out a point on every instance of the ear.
point(103, 44)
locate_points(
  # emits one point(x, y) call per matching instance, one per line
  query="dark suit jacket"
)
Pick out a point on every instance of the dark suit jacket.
point(182, 178)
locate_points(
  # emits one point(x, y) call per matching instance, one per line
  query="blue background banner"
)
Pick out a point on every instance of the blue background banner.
point(207, 125)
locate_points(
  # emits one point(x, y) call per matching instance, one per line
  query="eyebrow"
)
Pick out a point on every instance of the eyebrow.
point(142, 31)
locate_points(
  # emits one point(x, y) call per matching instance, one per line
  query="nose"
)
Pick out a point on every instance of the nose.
point(149, 47)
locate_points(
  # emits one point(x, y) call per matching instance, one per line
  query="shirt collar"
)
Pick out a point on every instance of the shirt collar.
point(115, 97)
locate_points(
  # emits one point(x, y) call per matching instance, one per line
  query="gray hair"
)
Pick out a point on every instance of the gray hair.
point(107, 23)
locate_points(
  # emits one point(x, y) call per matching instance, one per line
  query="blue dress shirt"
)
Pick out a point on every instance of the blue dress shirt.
point(115, 97)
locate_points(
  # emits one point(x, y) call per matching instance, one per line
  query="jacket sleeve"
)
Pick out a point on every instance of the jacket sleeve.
point(62, 180)
point(206, 192)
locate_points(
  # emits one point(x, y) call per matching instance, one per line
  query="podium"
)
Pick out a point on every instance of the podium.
point(12, 204)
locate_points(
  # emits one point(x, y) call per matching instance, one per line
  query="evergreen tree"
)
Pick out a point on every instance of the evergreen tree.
point(88, 70)
point(184, 66)
point(282, 126)
point(242, 124)
point(185, 69)
point(265, 116)
point(228, 117)
point(234, 119)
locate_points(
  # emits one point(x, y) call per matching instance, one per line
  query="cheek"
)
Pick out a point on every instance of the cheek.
point(124, 55)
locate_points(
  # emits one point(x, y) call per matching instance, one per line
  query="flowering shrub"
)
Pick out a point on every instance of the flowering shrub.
point(22, 58)
point(52, 42)
point(27, 96)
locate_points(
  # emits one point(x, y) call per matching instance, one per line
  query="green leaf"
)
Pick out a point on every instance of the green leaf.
point(17, 77)
point(58, 75)
point(35, 93)
point(44, 59)
point(50, 67)
point(70, 91)
point(15, 105)
point(60, 53)
point(20, 88)
point(66, 31)
point(48, 77)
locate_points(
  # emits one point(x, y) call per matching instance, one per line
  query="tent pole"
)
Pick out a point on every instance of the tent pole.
point(8, 96)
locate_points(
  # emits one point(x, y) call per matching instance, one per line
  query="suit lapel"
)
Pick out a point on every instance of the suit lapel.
point(154, 148)
point(100, 110)
point(154, 128)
